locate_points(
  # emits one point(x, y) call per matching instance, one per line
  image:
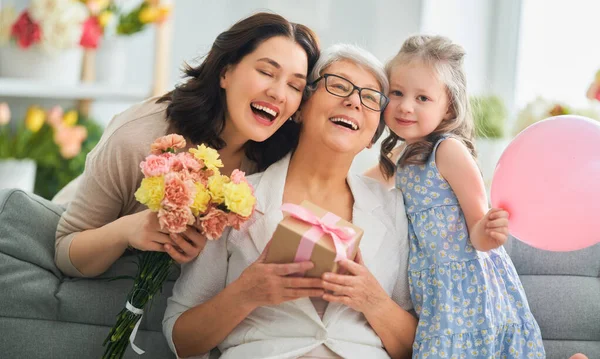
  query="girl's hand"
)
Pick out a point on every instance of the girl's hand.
point(359, 290)
point(492, 229)
point(270, 283)
point(142, 231)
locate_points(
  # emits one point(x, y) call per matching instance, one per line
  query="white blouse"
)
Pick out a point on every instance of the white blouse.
point(292, 329)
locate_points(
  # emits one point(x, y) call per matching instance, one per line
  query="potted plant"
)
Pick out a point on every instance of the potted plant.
point(46, 151)
point(46, 40)
point(489, 115)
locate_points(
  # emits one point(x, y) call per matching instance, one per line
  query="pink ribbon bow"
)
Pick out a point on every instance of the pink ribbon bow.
point(320, 226)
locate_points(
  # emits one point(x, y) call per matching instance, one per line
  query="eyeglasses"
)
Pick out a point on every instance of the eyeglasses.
point(341, 87)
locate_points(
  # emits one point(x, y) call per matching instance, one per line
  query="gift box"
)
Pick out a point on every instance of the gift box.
point(310, 233)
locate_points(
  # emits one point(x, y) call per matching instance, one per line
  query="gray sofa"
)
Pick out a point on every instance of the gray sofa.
point(44, 314)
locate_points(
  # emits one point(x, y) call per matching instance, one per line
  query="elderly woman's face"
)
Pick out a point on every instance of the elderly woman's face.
point(343, 124)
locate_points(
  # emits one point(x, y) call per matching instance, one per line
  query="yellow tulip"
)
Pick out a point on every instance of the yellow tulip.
point(70, 118)
point(34, 119)
point(104, 18)
point(154, 14)
point(149, 14)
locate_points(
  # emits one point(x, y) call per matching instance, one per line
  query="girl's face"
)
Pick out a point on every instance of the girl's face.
point(264, 89)
point(342, 124)
point(418, 101)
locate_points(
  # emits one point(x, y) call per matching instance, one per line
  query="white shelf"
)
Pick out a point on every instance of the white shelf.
point(13, 87)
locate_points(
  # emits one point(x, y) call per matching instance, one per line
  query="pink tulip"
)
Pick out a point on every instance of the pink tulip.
point(55, 115)
point(4, 114)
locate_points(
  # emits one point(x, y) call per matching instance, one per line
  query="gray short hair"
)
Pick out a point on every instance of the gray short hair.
point(353, 53)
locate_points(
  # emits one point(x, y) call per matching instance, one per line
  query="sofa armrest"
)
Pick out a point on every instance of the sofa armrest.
point(28, 228)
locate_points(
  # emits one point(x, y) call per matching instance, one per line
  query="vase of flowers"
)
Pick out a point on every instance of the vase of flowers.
point(120, 24)
point(46, 40)
point(17, 174)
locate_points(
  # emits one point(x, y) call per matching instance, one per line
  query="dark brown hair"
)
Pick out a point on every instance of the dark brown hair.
point(446, 58)
point(197, 107)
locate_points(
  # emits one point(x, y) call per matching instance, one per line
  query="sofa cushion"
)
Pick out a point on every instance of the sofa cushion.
point(563, 291)
point(37, 295)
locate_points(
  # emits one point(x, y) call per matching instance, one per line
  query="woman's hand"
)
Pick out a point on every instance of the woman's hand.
point(491, 231)
point(271, 284)
point(142, 231)
point(359, 290)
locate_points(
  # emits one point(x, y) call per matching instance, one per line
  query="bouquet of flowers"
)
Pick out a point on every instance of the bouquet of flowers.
point(185, 189)
point(52, 24)
point(64, 24)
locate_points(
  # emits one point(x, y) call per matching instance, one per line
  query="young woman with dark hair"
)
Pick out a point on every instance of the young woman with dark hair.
point(238, 100)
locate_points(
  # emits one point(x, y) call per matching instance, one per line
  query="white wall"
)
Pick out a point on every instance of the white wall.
point(559, 51)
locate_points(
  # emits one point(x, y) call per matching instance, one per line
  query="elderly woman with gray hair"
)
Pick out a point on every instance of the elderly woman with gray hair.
point(231, 299)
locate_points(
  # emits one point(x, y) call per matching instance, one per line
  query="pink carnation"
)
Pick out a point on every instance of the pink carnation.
point(213, 223)
point(235, 220)
point(178, 191)
point(167, 143)
point(175, 219)
point(238, 176)
point(155, 166)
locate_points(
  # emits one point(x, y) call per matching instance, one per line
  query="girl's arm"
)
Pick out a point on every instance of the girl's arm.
point(375, 171)
point(487, 229)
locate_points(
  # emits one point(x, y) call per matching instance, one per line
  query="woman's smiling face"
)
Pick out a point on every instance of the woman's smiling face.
point(342, 124)
point(265, 88)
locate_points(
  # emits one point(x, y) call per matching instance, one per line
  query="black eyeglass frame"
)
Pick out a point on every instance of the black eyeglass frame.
point(354, 87)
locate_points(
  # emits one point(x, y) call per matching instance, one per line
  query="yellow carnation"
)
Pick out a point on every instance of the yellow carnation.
point(151, 192)
point(209, 156)
point(216, 185)
point(201, 200)
point(239, 198)
point(34, 119)
point(70, 118)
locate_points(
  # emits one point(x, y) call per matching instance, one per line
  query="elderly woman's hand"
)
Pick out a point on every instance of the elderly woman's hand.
point(271, 284)
point(359, 290)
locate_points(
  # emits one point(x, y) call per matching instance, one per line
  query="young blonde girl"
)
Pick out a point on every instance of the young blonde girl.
point(464, 287)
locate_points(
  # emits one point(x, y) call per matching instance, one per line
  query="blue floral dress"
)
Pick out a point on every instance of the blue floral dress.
point(470, 304)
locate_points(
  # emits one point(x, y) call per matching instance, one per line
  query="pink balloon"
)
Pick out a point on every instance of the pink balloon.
point(548, 179)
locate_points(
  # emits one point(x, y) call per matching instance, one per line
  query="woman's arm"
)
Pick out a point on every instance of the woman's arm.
point(197, 330)
point(98, 225)
point(487, 229)
point(93, 251)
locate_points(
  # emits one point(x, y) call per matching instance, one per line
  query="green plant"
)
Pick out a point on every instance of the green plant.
point(489, 115)
point(54, 172)
point(57, 143)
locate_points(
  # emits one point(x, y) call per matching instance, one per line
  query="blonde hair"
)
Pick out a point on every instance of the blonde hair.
point(446, 59)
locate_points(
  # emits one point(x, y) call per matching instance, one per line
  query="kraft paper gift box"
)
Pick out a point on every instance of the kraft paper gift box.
point(307, 233)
